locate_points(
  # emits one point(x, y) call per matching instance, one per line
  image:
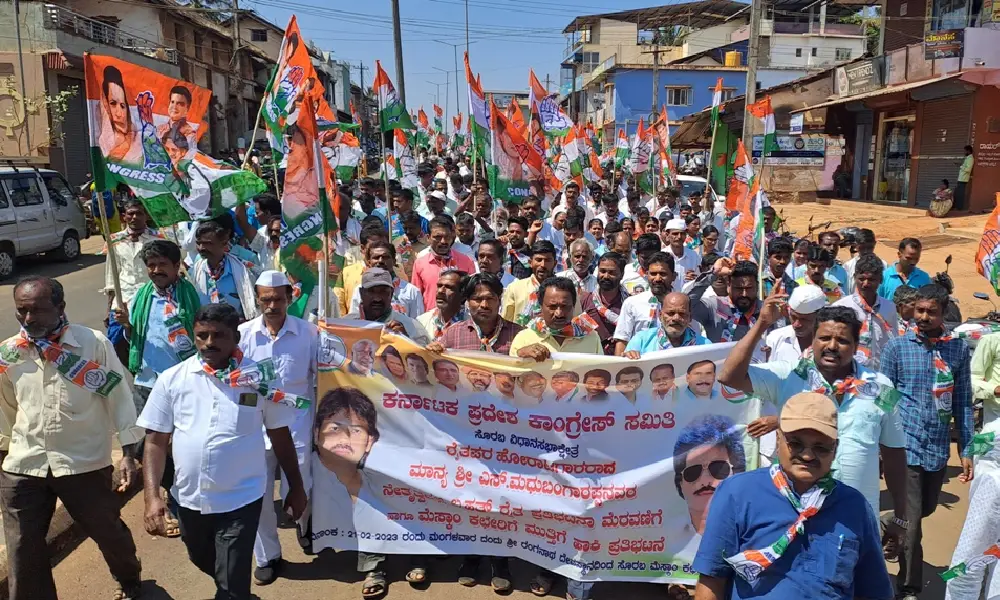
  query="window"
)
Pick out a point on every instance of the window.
point(590, 61)
point(814, 52)
point(798, 53)
point(59, 192)
point(179, 38)
point(679, 96)
point(727, 93)
point(215, 53)
point(24, 191)
point(843, 54)
point(258, 35)
point(198, 41)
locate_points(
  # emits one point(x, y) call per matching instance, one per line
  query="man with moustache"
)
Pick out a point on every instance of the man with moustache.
point(686, 260)
point(449, 305)
point(635, 279)
point(581, 258)
point(505, 385)
point(376, 305)
point(870, 425)
point(641, 311)
point(877, 315)
point(564, 386)
point(662, 378)
point(708, 450)
point(196, 408)
point(491, 259)
point(406, 298)
point(700, 380)
point(791, 342)
point(519, 265)
point(521, 299)
point(768, 529)
point(428, 267)
point(291, 343)
point(446, 373)
point(729, 318)
point(559, 327)
point(673, 329)
point(605, 305)
point(484, 329)
point(532, 386)
point(219, 276)
point(479, 379)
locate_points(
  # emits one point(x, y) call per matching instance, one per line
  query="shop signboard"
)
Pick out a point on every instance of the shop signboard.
point(795, 124)
point(944, 43)
point(859, 77)
point(803, 150)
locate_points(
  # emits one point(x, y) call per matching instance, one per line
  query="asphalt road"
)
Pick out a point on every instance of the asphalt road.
point(82, 280)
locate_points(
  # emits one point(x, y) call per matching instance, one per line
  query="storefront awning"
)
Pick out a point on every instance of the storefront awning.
point(893, 89)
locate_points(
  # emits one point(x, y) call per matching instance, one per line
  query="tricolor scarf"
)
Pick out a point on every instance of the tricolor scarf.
point(532, 307)
point(944, 380)
point(87, 374)
point(974, 565)
point(902, 326)
point(663, 341)
point(124, 234)
point(181, 303)
point(487, 343)
point(871, 314)
point(438, 325)
point(693, 242)
point(654, 311)
point(521, 258)
point(579, 282)
point(749, 564)
point(214, 275)
point(884, 397)
point(735, 318)
point(606, 313)
point(257, 376)
point(580, 326)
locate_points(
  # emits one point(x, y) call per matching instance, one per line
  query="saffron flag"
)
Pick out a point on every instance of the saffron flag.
point(144, 132)
point(422, 119)
point(750, 230)
point(392, 114)
point(515, 117)
point(762, 110)
point(512, 161)
point(422, 136)
point(479, 122)
point(662, 128)
point(988, 256)
point(742, 181)
point(535, 94)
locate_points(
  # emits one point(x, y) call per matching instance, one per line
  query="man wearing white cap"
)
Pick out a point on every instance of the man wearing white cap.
point(686, 260)
point(291, 343)
point(790, 343)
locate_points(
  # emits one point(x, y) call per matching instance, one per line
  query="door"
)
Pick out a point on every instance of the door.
point(944, 132)
point(35, 221)
point(893, 167)
point(65, 206)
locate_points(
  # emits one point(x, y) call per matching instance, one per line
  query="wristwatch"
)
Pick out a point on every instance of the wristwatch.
point(901, 523)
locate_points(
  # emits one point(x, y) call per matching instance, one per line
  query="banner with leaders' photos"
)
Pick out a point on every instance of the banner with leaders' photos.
point(597, 468)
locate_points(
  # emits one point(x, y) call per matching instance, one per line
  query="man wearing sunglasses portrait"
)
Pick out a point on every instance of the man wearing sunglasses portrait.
point(708, 450)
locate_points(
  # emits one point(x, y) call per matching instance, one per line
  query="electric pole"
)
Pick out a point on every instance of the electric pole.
point(363, 115)
point(757, 9)
point(397, 38)
point(548, 82)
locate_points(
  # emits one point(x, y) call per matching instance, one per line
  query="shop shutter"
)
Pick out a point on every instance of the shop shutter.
point(76, 139)
point(944, 133)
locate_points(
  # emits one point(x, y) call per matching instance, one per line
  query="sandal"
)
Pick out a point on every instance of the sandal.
point(541, 585)
point(133, 592)
point(890, 550)
point(172, 527)
point(501, 578)
point(467, 573)
point(374, 585)
point(417, 575)
point(678, 592)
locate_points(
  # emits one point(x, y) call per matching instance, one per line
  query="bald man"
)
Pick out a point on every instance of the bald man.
point(673, 329)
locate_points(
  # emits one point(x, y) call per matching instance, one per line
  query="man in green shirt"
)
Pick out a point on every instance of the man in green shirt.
point(964, 175)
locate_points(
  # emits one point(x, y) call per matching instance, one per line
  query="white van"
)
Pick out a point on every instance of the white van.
point(39, 212)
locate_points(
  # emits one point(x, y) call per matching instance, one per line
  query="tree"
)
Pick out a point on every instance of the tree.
point(873, 28)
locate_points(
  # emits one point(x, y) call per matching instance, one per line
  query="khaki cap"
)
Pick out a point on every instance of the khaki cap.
point(809, 410)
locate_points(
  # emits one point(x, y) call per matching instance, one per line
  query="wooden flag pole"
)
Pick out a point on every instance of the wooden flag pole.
point(112, 257)
point(385, 170)
point(710, 161)
point(253, 136)
point(277, 185)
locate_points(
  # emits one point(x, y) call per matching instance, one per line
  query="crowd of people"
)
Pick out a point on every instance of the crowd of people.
point(858, 376)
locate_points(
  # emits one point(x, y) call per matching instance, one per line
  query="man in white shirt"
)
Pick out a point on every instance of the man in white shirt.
point(877, 315)
point(641, 311)
point(213, 425)
point(376, 305)
point(864, 241)
point(686, 260)
point(790, 343)
point(291, 343)
point(581, 257)
point(634, 281)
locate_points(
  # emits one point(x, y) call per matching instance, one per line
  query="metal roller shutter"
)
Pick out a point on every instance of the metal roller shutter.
point(76, 139)
point(944, 133)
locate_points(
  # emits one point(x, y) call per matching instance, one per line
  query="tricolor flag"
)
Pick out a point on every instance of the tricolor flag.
point(535, 94)
point(479, 121)
point(438, 119)
point(716, 103)
point(513, 160)
point(662, 127)
point(144, 132)
point(457, 139)
point(392, 114)
point(341, 147)
point(622, 149)
point(515, 117)
point(405, 163)
point(988, 256)
point(762, 110)
point(742, 181)
point(639, 157)
point(355, 117)
point(750, 230)
point(422, 138)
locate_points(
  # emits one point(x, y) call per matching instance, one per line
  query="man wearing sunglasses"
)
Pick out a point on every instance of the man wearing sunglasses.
point(708, 450)
point(792, 531)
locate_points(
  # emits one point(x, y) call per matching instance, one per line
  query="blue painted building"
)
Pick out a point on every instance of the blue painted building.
point(683, 90)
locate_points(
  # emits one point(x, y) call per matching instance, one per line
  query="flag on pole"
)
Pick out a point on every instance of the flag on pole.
point(457, 138)
point(515, 117)
point(355, 117)
point(406, 164)
point(988, 255)
point(742, 181)
point(535, 94)
point(392, 113)
point(639, 157)
point(662, 127)
point(422, 137)
point(512, 161)
point(340, 147)
point(716, 103)
point(152, 147)
point(479, 121)
point(438, 119)
point(762, 110)
point(422, 119)
point(622, 149)
point(750, 230)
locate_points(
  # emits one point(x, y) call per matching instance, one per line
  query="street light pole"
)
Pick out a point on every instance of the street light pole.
point(397, 37)
point(454, 47)
point(447, 83)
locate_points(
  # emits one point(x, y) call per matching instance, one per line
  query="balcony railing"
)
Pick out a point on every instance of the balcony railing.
point(63, 19)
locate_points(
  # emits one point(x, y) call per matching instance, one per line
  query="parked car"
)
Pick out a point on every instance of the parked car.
point(39, 212)
point(692, 183)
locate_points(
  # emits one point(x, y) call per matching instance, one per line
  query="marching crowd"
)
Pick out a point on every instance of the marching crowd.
point(858, 376)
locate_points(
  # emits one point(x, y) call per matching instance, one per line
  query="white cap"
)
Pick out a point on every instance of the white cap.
point(272, 279)
point(441, 175)
point(807, 299)
point(676, 225)
point(439, 195)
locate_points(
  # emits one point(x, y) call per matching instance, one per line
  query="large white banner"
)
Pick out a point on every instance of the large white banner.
point(596, 468)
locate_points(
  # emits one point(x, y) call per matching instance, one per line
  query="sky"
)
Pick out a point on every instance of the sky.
point(507, 37)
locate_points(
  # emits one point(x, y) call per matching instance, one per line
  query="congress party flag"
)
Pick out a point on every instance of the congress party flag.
point(405, 162)
point(355, 117)
point(536, 92)
point(144, 132)
point(341, 147)
point(988, 255)
point(716, 103)
point(457, 138)
point(622, 149)
point(422, 136)
point(513, 160)
point(750, 230)
point(662, 127)
point(392, 114)
point(438, 119)
point(479, 121)
point(742, 181)
point(763, 111)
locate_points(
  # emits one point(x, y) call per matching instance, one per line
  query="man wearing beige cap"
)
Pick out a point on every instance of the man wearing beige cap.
point(792, 531)
point(376, 305)
point(870, 422)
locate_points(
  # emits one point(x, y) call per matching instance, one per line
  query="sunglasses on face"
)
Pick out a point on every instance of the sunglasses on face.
point(798, 448)
point(719, 469)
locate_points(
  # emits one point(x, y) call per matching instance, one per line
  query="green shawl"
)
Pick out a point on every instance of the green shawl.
point(188, 302)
